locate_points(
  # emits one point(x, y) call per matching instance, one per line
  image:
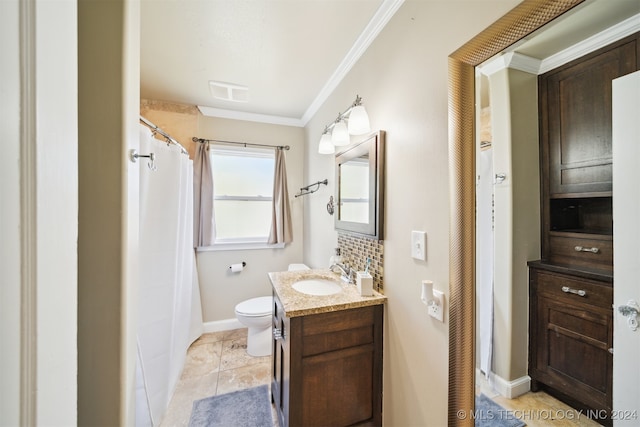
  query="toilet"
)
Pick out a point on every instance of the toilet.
point(255, 314)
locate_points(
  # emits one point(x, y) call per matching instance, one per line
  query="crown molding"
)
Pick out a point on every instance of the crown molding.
point(518, 61)
point(610, 35)
point(249, 117)
point(379, 20)
point(513, 60)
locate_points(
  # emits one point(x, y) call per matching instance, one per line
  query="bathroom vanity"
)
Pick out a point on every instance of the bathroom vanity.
point(327, 353)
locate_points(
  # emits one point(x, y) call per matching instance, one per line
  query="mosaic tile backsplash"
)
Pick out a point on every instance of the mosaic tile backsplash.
point(356, 249)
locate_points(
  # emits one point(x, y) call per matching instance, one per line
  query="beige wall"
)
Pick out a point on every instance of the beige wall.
point(517, 214)
point(108, 105)
point(221, 290)
point(402, 79)
point(526, 208)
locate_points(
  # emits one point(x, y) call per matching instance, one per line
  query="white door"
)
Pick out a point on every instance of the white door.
point(626, 231)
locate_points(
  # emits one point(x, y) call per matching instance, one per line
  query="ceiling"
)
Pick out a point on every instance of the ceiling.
point(586, 20)
point(290, 54)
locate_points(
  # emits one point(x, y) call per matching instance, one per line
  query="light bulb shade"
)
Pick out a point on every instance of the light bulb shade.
point(340, 134)
point(326, 146)
point(358, 121)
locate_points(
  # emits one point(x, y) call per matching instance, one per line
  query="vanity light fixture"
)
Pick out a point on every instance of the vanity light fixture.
point(326, 146)
point(354, 121)
point(359, 121)
point(340, 134)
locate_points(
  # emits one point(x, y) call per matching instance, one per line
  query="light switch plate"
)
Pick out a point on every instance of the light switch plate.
point(419, 245)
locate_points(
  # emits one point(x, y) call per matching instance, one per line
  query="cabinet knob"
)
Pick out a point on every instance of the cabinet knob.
point(583, 249)
point(579, 292)
point(278, 334)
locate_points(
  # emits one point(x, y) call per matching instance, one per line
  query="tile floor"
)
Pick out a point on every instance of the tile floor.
point(218, 363)
point(537, 409)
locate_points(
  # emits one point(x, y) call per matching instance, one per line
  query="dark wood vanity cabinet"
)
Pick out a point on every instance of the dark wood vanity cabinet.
point(571, 288)
point(327, 367)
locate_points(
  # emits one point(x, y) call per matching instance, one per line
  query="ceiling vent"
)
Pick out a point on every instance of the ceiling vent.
point(229, 91)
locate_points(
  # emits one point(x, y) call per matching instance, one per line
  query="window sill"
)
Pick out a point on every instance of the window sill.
point(243, 246)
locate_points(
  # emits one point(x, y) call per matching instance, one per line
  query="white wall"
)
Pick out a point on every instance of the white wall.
point(220, 289)
point(626, 209)
point(38, 170)
point(10, 214)
point(402, 79)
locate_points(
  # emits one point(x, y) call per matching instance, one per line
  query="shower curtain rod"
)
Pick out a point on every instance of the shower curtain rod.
point(168, 137)
point(245, 144)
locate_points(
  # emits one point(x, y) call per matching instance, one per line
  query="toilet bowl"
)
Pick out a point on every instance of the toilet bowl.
point(255, 314)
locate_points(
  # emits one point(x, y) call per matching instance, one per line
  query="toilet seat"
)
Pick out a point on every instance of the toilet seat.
point(255, 307)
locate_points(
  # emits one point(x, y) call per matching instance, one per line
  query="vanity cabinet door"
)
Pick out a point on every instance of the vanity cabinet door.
point(339, 368)
point(280, 360)
point(329, 371)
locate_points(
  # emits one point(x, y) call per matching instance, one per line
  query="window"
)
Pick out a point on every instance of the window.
point(243, 189)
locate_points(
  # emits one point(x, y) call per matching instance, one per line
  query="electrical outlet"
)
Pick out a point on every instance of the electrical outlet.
point(436, 307)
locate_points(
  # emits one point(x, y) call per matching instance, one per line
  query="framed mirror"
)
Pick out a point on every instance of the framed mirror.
point(514, 30)
point(524, 19)
point(360, 187)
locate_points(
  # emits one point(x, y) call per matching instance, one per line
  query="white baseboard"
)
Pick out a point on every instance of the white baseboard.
point(222, 325)
point(508, 389)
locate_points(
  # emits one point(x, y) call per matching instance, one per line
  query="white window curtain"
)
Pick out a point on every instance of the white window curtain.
point(281, 212)
point(204, 218)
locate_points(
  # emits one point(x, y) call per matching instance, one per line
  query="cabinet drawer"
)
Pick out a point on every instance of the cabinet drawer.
point(338, 330)
point(575, 290)
point(588, 252)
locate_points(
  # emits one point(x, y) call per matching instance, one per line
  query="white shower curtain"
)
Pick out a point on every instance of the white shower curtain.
point(169, 310)
point(485, 259)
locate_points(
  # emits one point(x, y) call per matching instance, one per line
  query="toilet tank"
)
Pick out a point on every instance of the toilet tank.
point(297, 267)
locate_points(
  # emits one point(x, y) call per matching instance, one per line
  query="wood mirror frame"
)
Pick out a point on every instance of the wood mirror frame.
point(370, 146)
point(524, 19)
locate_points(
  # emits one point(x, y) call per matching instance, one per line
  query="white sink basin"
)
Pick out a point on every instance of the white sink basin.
point(317, 287)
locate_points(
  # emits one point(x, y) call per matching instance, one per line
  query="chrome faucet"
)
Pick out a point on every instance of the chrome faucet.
point(345, 270)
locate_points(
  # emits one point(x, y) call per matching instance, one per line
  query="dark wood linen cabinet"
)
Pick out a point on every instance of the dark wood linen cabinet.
point(571, 287)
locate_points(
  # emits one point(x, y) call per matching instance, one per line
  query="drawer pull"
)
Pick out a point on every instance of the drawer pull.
point(277, 334)
point(583, 249)
point(569, 290)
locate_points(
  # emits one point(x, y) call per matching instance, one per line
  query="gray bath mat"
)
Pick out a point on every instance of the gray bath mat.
point(489, 414)
point(244, 408)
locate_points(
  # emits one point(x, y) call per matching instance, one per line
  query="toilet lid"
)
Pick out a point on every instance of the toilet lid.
point(260, 306)
point(297, 267)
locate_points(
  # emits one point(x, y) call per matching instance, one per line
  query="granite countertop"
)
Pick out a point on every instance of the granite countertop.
point(299, 304)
